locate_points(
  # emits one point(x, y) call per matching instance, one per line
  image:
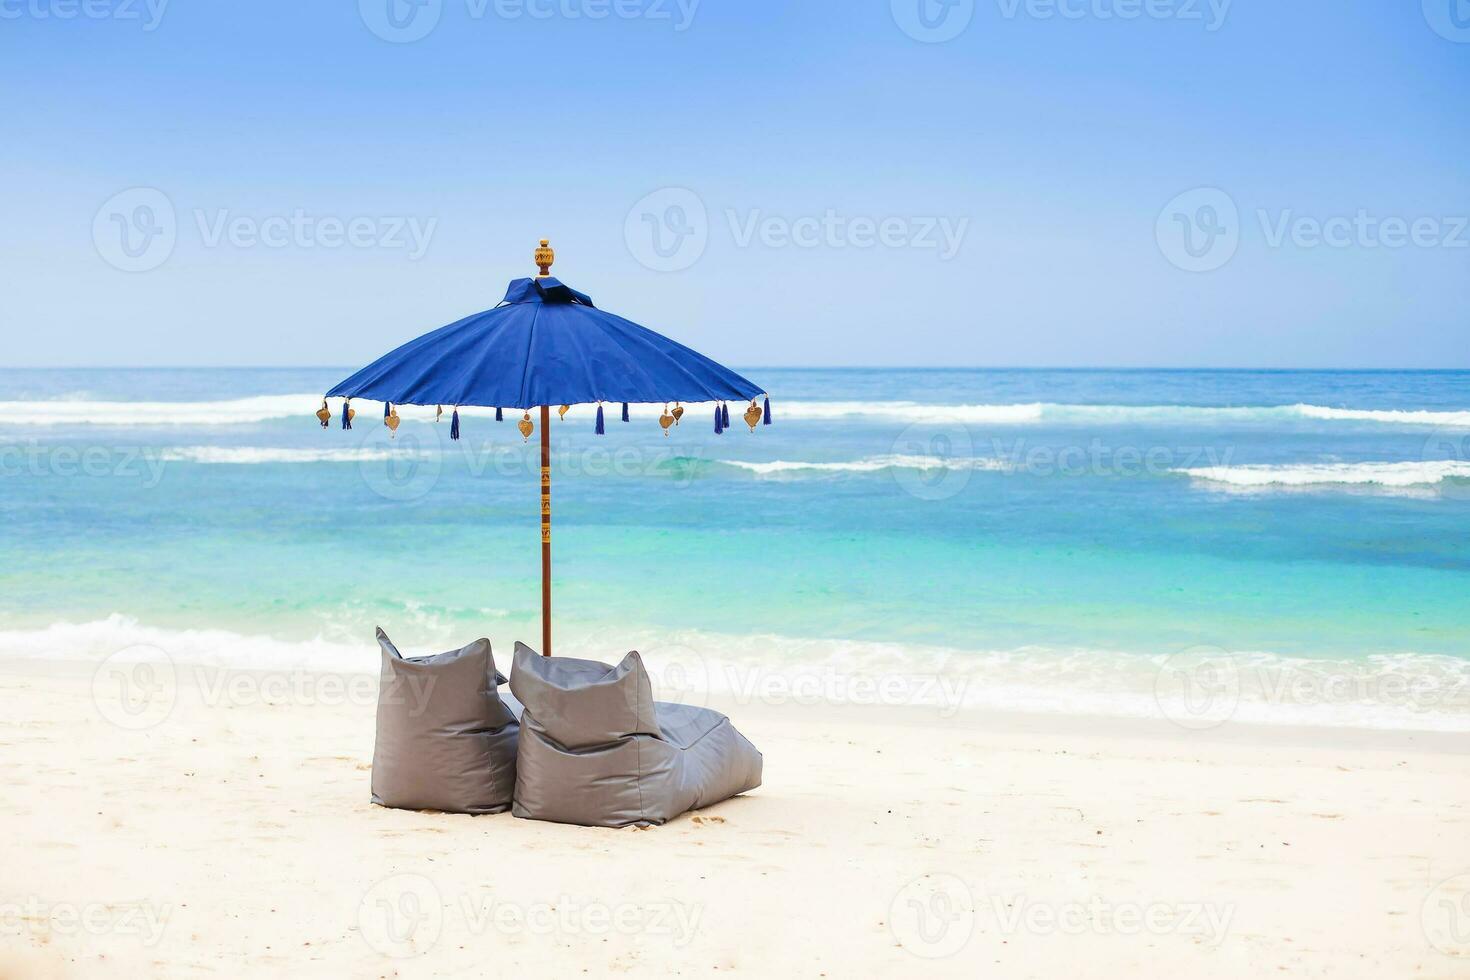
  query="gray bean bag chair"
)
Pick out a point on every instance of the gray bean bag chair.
point(597, 750)
point(446, 735)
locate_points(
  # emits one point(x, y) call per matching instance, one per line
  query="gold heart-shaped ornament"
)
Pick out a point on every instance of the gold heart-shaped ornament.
point(666, 420)
point(392, 421)
point(526, 426)
point(753, 416)
point(351, 414)
point(678, 413)
point(561, 413)
point(324, 415)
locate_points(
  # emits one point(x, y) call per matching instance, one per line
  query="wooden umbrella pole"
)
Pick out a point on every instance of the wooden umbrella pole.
point(545, 530)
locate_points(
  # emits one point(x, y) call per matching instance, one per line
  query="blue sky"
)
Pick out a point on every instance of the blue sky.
point(773, 183)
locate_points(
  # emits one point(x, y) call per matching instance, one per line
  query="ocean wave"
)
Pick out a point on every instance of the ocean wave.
point(1405, 691)
point(871, 464)
point(1391, 416)
point(1404, 474)
point(247, 455)
point(235, 411)
point(267, 408)
point(907, 411)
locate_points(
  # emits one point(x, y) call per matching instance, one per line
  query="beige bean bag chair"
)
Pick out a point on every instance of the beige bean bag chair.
point(596, 749)
point(446, 734)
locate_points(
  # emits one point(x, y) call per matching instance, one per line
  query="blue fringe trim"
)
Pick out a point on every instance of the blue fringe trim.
point(346, 419)
point(766, 412)
point(625, 411)
point(454, 425)
point(600, 430)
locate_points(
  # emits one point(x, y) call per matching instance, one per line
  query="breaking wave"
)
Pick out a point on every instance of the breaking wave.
point(1398, 475)
point(1404, 690)
point(872, 464)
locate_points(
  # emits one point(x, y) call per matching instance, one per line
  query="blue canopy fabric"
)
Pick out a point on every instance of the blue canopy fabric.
point(545, 344)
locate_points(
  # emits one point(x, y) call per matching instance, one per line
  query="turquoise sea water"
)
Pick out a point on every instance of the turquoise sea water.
point(1050, 535)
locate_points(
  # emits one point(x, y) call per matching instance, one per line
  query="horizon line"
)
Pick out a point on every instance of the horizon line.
point(803, 367)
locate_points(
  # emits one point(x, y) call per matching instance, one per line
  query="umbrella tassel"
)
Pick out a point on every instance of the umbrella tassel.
point(625, 411)
point(454, 426)
point(724, 416)
point(600, 430)
point(346, 415)
point(499, 415)
point(718, 427)
point(387, 409)
point(766, 415)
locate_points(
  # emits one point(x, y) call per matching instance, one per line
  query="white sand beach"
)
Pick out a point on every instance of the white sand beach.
point(234, 837)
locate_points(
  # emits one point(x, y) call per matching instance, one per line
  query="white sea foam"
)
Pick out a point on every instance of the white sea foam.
point(1396, 417)
point(1391, 691)
point(97, 640)
point(906, 411)
point(247, 455)
point(1404, 474)
point(871, 464)
point(234, 411)
point(265, 408)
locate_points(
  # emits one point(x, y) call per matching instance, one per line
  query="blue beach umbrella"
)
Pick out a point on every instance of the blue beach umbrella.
point(546, 344)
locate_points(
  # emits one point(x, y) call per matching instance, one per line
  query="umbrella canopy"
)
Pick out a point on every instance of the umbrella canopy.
point(546, 344)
